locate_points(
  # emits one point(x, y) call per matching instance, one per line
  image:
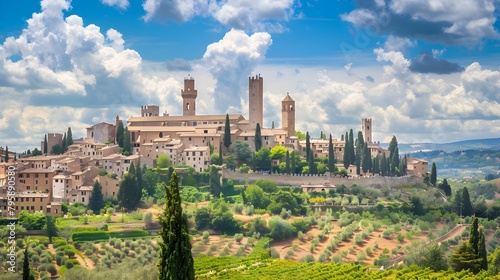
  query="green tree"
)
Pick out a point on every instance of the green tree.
point(457, 202)
point(263, 159)
point(96, 199)
point(220, 153)
point(272, 125)
point(64, 143)
point(258, 138)
point(120, 132)
point(227, 133)
point(36, 152)
point(474, 236)
point(352, 155)
point(300, 135)
point(214, 181)
point(128, 193)
point(482, 253)
point(242, 150)
point(313, 169)
point(175, 257)
point(45, 147)
point(395, 162)
point(127, 145)
point(467, 209)
point(445, 187)
point(464, 258)
point(360, 145)
point(202, 218)
point(51, 228)
point(287, 162)
point(56, 149)
point(331, 156)
point(27, 275)
point(69, 137)
point(383, 165)
point(433, 174)
point(347, 158)
point(163, 161)
point(278, 152)
point(6, 153)
point(308, 146)
point(256, 196)
point(294, 162)
point(367, 160)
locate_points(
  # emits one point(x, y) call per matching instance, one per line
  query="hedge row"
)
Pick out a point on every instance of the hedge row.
point(104, 235)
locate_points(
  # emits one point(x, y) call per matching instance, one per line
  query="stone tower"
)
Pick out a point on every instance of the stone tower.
point(189, 95)
point(150, 111)
point(255, 101)
point(366, 128)
point(288, 115)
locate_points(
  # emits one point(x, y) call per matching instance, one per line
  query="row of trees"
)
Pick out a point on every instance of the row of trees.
point(123, 139)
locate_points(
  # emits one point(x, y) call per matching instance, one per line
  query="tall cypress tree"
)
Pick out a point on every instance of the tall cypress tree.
point(119, 134)
point(331, 156)
point(175, 257)
point(294, 165)
point(308, 146)
point(433, 174)
point(482, 253)
point(383, 166)
point(220, 152)
point(467, 209)
point(359, 151)
point(6, 154)
point(227, 133)
point(27, 275)
point(127, 145)
point(258, 138)
point(347, 157)
point(395, 162)
point(69, 137)
point(352, 155)
point(474, 235)
point(287, 164)
point(64, 147)
point(96, 199)
point(312, 165)
point(367, 160)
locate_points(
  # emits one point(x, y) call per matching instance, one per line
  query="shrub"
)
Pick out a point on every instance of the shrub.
point(206, 235)
point(148, 218)
point(238, 237)
point(308, 258)
point(238, 208)
point(68, 264)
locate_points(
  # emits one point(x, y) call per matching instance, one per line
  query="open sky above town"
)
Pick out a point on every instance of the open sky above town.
point(424, 70)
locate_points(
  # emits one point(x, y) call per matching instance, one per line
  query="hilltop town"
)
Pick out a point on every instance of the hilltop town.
point(45, 181)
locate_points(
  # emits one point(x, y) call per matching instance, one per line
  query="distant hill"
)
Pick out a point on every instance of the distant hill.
point(469, 158)
point(475, 144)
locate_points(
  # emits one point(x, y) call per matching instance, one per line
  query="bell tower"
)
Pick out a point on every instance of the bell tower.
point(189, 95)
point(255, 101)
point(366, 128)
point(288, 115)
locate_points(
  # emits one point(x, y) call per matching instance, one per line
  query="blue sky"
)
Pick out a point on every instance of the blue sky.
point(425, 71)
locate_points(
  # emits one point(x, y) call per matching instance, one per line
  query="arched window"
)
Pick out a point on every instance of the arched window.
point(187, 106)
point(291, 107)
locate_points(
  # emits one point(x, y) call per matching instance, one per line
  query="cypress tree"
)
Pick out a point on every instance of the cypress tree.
point(482, 253)
point(392, 147)
point(64, 147)
point(214, 182)
point(6, 153)
point(258, 138)
point(220, 153)
point(27, 275)
point(287, 164)
point(312, 165)
point(294, 164)
point(175, 257)
point(352, 154)
point(272, 125)
point(433, 174)
point(138, 175)
point(347, 157)
point(127, 145)
point(474, 236)
point(383, 166)
point(367, 160)
point(45, 147)
point(69, 137)
point(96, 199)
point(50, 224)
point(331, 156)
point(243, 196)
point(227, 133)
point(395, 161)
point(308, 146)
point(119, 134)
point(467, 209)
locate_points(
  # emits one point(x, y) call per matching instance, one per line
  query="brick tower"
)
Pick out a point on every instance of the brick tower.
point(255, 101)
point(189, 95)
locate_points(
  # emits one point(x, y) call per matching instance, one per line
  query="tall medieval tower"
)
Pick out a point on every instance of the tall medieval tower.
point(189, 95)
point(366, 128)
point(255, 101)
point(288, 115)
